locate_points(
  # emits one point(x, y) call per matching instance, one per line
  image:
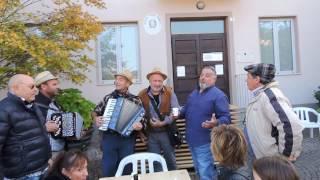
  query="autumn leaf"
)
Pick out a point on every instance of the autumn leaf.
point(31, 42)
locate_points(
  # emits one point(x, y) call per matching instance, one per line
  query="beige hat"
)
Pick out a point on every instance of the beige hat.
point(127, 74)
point(44, 77)
point(157, 71)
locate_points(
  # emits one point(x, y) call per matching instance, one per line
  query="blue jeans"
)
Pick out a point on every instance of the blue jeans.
point(33, 176)
point(250, 154)
point(115, 148)
point(203, 162)
point(27, 178)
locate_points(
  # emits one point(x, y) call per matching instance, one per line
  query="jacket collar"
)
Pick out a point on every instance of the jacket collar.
point(15, 98)
point(259, 92)
point(41, 98)
point(20, 100)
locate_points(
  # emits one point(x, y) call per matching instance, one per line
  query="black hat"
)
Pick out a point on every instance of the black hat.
point(266, 72)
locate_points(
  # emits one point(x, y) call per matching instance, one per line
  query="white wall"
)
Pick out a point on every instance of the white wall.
point(243, 37)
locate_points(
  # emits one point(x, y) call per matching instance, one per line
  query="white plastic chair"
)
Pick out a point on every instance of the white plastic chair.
point(303, 114)
point(143, 158)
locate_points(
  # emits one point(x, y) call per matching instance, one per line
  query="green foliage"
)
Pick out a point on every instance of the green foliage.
point(53, 39)
point(71, 100)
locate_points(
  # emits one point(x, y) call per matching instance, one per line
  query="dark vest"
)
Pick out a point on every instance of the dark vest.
point(165, 101)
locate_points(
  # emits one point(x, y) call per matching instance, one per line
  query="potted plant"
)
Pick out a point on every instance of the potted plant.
point(71, 100)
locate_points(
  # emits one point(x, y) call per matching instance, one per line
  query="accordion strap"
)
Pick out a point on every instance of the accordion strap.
point(47, 107)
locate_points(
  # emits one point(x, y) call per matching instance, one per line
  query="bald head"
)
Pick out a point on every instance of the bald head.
point(22, 86)
point(17, 79)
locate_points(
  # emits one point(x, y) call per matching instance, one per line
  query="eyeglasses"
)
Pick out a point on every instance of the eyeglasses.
point(30, 86)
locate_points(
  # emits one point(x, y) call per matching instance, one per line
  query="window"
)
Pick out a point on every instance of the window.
point(118, 50)
point(277, 44)
point(197, 27)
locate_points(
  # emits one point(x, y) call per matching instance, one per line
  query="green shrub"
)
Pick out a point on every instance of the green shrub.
point(71, 100)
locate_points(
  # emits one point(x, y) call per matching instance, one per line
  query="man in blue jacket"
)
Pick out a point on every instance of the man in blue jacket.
point(206, 107)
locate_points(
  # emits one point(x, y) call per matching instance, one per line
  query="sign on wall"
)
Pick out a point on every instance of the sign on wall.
point(212, 56)
point(181, 71)
point(152, 24)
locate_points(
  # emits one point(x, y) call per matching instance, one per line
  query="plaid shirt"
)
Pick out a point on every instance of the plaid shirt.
point(99, 109)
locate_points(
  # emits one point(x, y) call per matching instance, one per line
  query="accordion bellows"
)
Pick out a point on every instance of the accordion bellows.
point(70, 124)
point(120, 114)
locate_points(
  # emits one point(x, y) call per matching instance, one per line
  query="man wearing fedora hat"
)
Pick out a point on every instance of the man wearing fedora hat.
point(48, 86)
point(114, 146)
point(272, 128)
point(158, 100)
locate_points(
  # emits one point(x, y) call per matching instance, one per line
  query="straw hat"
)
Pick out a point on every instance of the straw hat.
point(157, 71)
point(126, 74)
point(44, 77)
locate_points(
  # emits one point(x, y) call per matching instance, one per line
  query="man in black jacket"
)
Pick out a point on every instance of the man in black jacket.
point(24, 143)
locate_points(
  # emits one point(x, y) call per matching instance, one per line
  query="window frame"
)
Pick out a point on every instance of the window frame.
point(119, 56)
point(276, 44)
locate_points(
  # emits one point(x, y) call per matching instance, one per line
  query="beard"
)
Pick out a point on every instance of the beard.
point(203, 86)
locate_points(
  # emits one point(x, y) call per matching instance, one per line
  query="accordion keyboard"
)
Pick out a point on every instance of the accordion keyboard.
point(108, 114)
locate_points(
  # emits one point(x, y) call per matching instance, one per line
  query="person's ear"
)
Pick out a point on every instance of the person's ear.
point(258, 79)
point(15, 87)
point(42, 86)
point(128, 84)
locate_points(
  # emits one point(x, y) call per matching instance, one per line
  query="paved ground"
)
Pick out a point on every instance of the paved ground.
point(308, 164)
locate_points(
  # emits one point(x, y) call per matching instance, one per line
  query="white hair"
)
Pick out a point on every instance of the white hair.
point(211, 68)
point(15, 80)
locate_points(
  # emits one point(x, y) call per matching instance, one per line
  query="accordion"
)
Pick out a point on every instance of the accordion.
point(70, 124)
point(120, 114)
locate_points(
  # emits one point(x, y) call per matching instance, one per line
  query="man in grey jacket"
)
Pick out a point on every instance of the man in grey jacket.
point(272, 128)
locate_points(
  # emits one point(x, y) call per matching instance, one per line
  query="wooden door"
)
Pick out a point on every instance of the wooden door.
point(191, 52)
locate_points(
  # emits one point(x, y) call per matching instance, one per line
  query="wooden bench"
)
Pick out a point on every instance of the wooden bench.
point(183, 155)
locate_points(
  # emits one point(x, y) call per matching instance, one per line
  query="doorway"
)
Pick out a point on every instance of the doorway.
point(197, 43)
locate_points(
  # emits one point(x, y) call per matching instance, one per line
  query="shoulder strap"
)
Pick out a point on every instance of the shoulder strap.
point(156, 109)
point(47, 107)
